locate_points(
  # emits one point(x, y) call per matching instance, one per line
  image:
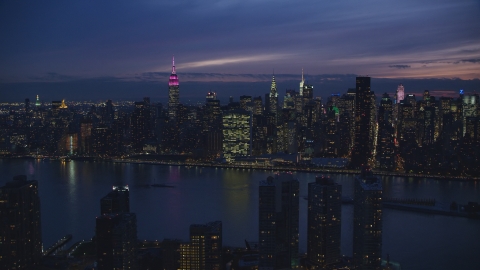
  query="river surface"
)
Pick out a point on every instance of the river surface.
point(70, 196)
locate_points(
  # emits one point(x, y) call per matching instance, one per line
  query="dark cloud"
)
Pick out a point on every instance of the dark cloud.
point(400, 66)
point(475, 61)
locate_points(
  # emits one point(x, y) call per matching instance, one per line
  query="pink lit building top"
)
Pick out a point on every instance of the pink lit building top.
point(173, 81)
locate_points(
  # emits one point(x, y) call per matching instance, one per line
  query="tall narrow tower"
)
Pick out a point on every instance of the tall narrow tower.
point(278, 222)
point(273, 98)
point(173, 93)
point(324, 222)
point(302, 82)
point(367, 221)
point(362, 150)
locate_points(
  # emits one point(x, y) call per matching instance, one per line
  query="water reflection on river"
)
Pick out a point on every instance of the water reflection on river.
point(70, 194)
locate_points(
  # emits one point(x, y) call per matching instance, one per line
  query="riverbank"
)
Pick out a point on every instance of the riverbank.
point(323, 170)
point(296, 169)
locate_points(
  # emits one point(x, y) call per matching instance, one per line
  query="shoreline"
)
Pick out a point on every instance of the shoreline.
point(264, 168)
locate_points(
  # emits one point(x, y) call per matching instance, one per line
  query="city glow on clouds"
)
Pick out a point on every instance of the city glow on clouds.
point(233, 60)
point(389, 39)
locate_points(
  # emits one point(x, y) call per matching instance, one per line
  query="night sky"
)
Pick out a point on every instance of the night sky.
point(123, 49)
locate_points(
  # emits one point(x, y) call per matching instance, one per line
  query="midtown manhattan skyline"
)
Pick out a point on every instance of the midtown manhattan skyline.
point(111, 48)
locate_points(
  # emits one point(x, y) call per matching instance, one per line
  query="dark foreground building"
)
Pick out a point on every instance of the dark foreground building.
point(324, 222)
point(116, 238)
point(278, 222)
point(20, 230)
point(367, 221)
point(116, 232)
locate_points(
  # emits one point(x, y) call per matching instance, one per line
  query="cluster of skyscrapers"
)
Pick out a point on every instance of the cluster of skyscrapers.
point(117, 247)
point(402, 134)
point(279, 223)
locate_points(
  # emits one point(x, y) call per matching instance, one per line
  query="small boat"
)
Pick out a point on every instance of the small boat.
point(162, 185)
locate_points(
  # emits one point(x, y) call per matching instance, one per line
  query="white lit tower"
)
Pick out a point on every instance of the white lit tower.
point(302, 83)
point(399, 96)
point(173, 93)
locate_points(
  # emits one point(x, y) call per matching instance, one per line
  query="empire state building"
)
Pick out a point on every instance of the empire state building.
point(173, 93)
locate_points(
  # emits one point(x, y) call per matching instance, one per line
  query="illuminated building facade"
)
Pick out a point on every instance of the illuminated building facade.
point(237, 134)
point(173, 93)
point(71, 143)
point(324, 222)
point(273, 99)
point(400, 94)
point(367, 221)
point(38, 103)
point(278, 222)
point(257, 105)
point(204, 252)
point(20, 230)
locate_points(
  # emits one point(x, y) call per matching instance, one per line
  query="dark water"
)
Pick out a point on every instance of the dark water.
point(70, 195)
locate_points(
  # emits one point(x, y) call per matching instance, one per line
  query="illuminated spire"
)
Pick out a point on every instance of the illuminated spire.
point(173, 77)
point(273, 88)
point(302, 82)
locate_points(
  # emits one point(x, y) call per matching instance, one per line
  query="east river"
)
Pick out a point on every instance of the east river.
point(70, 200)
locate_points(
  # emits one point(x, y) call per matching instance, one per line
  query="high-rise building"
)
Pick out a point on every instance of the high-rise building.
point(362, 149)
point(324, 222)
point(302, 83)
point(204, 252)
point(116, 240)
point(173, 93)
point(38, 103)
point(237, 134)
point(278, 222)
point(86, 136)
point(385, 140)
point(116, 231)
point(20, 230)
point(400, 94)
point(367, 221)
point(117, 201)
point(257, 105)
point(140, 125)
point(273, 99)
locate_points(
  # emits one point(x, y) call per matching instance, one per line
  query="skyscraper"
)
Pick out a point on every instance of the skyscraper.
point(173, 93)
point(117, 201)
point(204, 252)
point(237, 134)
point(116, 231)
point(273, 99)
point(324, 222)
point(278, 222)
point(116, 240)
point(362, 149)
point(20, 230)
point(140, 125)
point(367, 221)
point(399, 94)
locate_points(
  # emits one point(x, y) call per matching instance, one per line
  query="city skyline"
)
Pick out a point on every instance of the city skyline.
point(120, 49)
